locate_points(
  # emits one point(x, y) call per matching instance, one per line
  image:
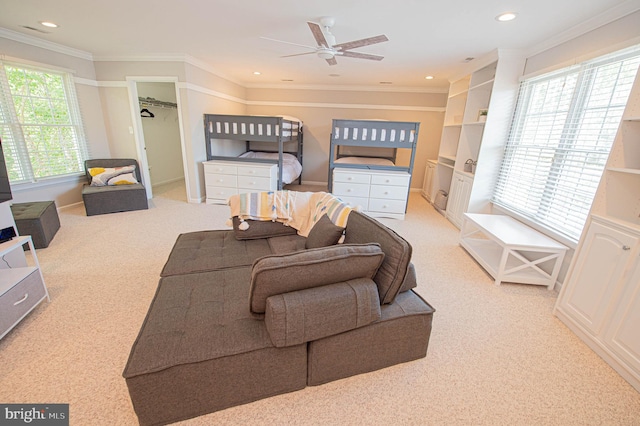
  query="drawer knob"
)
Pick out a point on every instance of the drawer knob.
point(626, 248)
point(386, 192)
point(220, 180)
point(387, 181)
point(349, 178)
point(26, 295)
point(349, 190)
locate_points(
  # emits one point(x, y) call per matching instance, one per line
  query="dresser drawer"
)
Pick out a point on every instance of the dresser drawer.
point(255, 184)
point(355, 202)
point(342, 176)
point(220, 192)
point(387, 206)
point(389, 192)
point(224, 169)
point(351, 189)
point(20, 299)
point(229, 181)
point(257, 170)
point(391, 179)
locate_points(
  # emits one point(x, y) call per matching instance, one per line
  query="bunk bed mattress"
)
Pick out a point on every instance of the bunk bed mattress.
point(369, 161)
point(291, 167)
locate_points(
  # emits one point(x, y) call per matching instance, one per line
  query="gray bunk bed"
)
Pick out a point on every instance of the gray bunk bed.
point(370, 147)
point(275, 137)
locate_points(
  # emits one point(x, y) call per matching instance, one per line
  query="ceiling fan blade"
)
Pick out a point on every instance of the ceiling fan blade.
point(288, 42)
point(360, 43)
point(350, 54)
point(332, 61)
point(318, 34)
point(298, 54)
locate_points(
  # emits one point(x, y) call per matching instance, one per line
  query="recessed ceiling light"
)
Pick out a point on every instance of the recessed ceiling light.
point(507, 16)
point(257, 73)
point(386, 82)
point(429, 77)
point(287, 79)
point(334, 75)
point(49, 24)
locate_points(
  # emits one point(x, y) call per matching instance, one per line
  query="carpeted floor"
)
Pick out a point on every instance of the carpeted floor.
point(497, 354)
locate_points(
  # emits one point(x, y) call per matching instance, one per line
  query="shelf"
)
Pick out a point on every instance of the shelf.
point(7, 246)
point(460, 93)
point(475, 123)
point(449, 166)
point(482, 85)
point(453, 125)
point(14, 275)
point(624, 170)
point(632, 118)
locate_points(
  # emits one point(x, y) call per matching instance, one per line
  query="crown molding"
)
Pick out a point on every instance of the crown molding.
point(606, 17)
point(45, 44)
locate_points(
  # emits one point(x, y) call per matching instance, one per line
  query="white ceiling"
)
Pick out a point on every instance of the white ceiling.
point(426, 37)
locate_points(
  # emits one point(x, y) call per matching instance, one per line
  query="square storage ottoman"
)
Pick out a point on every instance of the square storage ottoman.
point(38, 219)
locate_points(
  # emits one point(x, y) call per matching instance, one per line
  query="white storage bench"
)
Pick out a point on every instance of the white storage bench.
point(510, 251)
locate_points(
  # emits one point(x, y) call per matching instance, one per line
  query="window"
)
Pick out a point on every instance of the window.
point(40, 124)
point(563, 129)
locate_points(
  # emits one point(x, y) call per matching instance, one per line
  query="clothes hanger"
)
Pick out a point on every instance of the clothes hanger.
point(146, 111)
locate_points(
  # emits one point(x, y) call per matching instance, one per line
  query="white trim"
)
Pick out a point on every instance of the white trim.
point(197, 88)
point(606, 17)
point(45, 44)
point(33, 64)
point(339, 88)
point(94, 83)
point(583, 58)
point(347, 106)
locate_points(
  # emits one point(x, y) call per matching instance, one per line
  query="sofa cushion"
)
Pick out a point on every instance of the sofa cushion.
point(362, 229)
point(286, 244)
point(301, 316)
point(410, 280)
point(212, 250)
point(324, 233)
point(279, 274)
point(260, 229)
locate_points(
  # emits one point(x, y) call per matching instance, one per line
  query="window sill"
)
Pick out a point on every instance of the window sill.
point(74, 179)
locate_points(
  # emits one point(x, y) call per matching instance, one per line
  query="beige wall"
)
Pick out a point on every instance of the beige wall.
point(317, 109)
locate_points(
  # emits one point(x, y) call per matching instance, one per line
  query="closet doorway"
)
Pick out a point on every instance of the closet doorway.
point(159, 138)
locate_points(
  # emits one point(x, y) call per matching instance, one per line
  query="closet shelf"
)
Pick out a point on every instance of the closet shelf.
point(146, 102)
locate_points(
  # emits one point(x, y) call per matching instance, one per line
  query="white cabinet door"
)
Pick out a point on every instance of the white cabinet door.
point(458, 198)
point(427, 185)
point(596, 276)
point(622, 335)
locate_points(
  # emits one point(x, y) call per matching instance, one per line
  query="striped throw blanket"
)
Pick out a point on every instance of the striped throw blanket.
point(300, 210)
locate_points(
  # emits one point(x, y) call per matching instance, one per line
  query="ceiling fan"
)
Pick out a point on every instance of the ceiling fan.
point(327, 48)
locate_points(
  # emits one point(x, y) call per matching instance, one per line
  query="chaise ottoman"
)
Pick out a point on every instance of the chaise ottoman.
point(38, 219)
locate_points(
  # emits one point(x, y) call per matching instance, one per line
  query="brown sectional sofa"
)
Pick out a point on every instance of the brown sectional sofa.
point(237, 320)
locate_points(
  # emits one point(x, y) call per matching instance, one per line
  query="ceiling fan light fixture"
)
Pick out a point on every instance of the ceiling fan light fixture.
point(49, 24)
point(325, 54)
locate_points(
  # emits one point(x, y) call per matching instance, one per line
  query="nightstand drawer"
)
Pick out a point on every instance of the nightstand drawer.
point(387, 206)
point(20, 299)
point(351, 189)
point(341, 176)
point(229, 181)
point(389, 192)
point(253, 184)
point(223, 169)
point(391, 179)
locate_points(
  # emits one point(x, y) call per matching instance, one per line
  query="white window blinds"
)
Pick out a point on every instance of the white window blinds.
point(563, 129)
point(40, 126)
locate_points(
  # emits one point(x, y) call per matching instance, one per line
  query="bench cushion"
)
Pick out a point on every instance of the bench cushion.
point(212, 250)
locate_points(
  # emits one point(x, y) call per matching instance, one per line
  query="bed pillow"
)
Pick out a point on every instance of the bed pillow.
point(103, 176)
point(324, 233)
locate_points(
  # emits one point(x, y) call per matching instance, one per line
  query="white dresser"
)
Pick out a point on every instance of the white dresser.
point(226, 178)
point(378, 193)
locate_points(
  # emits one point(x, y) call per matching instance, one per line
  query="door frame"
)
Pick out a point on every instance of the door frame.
point(138, 131)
